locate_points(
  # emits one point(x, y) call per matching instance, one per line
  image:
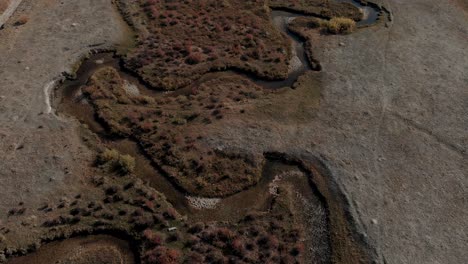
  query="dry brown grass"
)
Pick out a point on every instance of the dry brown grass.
point(22, 20)
point(124, 164)
point(340, 25)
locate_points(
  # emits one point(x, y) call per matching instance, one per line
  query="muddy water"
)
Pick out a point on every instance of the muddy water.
point(299, 63)
point(69, 98)
point(370, 14)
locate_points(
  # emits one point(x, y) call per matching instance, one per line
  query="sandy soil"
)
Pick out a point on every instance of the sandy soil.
point(7, 8)
point(399, 145)
point(40, 152)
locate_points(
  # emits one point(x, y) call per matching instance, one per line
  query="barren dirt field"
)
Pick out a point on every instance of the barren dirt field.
point(205, 131)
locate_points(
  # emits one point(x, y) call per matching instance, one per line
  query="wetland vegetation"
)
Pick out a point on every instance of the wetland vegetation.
point(151, 110)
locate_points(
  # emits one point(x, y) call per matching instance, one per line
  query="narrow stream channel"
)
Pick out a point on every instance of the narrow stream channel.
point(370, 13)
point(70, 100)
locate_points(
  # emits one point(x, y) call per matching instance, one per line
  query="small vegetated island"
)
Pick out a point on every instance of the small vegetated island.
point(179, 42)
point(205, 63)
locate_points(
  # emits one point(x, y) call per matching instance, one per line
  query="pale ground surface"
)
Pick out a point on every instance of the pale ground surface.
point(9, 8)
point(405, 163)
point(392, 122)
point(392, 126)
point(41, 153)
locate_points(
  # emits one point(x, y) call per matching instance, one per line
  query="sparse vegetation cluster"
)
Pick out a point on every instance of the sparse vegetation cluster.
point(336, 25)
point(22, 20)
point(173, 128)
point(123, 204)
point(115, 161)
point(320, 8)
point(256, 239)
point(340, 25)
point(179, 41)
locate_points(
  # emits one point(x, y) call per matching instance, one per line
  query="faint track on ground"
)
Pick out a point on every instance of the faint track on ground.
point(9, 11)
point(431, 134)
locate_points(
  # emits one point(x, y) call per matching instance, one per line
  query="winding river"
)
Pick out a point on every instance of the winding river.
point(70, 100)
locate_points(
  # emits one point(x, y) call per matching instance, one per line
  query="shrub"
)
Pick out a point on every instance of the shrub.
point(297, 249)
point(173, 237)
point(142, 222)
point(112, 190)
point(22, 20)
point(125, 164)
point(196, 228)
point(178, 121)
point(162, 255)
point(195, 257)
point(109, 155)
point(194, 58)
point(340, 25)
point(268, 242)
point(314, 22)
point(238, 247)
point(152, 237)
point(170, 213)
point(215, 256)
point(147, 100)
point(224, 234)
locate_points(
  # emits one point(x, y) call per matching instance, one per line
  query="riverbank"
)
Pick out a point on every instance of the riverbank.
point(42, 155)
point(391, 124)
point(386, 114)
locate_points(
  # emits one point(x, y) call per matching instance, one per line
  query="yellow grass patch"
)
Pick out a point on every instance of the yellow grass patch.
point(340, 25)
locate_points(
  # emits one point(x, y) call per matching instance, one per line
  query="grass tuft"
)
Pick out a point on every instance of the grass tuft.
point(124, 164)
point(340, 25)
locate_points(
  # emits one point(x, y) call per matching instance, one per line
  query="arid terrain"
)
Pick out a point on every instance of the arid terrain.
point(263, 131)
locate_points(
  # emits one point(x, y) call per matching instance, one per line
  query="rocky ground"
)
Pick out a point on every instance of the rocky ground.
point(387, 115)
